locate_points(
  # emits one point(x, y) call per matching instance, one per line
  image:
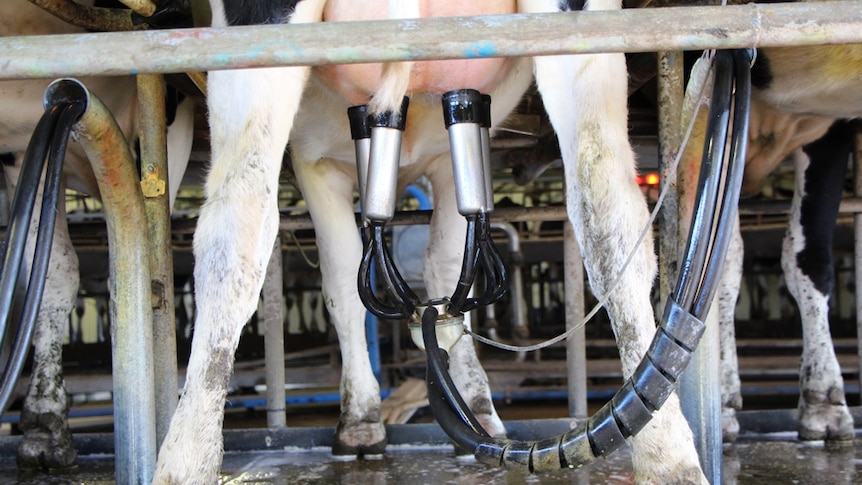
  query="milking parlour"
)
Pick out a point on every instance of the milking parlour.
point(303, 242)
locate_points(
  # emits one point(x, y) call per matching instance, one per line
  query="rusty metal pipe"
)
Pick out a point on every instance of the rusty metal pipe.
point(87, 17)
point(128, 285)
point(154, 183)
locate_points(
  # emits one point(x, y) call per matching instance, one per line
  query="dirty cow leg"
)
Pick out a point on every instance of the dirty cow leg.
point(585, 97)
point(442, 268)
point(327, 186)
point(251, 113)
point(728, 292)
point(807, 264)
point(47, 441)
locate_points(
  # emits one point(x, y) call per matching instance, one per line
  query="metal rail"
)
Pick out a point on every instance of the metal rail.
point(630, 30)
point(131, 313)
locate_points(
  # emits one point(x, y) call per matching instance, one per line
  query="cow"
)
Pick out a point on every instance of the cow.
point(253, 114)
point(800, 109)
point(47, 441)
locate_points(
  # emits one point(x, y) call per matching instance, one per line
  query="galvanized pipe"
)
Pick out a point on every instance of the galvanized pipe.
point(273, 342)
point(516, 285)
point(670, 97)
point(628, 30)
point(857, 254)
point(700, 399)
point(408, 218)
point(154, 183)
point(576, 345)
point(128, 286)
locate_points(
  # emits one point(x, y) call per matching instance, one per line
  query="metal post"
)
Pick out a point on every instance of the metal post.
point(857, 258)
point(129, 288)
point(670, 96)
point(700, 397)
point(273, 318)
point(699, 387)
point(154, 183)
point(516, 287)
point(576, 345)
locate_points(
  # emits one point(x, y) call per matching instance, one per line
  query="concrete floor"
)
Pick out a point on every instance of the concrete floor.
point(754, 462)
point(776, 458)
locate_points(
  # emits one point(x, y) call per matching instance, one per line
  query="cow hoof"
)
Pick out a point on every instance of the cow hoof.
point(729, 425)
point(829, 422)
point(359, 440)
point(44, 451)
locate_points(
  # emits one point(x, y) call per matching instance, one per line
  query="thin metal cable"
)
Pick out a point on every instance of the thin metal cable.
point(616, 281)
point(302, 251)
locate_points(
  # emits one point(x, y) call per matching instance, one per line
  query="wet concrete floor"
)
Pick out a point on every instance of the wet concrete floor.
point(773, 459)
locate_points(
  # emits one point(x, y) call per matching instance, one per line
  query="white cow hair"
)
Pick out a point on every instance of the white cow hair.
point(586, 101)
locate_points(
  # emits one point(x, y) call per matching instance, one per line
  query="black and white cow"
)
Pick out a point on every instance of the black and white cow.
point(47, 442)
point(253, 114)
point(797, 99)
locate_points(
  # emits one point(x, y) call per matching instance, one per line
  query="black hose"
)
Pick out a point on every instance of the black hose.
point(376, 252)
point(386, 264)
point(738, 150)
point(701, 231)
point(653, 381)
point(455, 416)
point(62, 117)
point(458, 301)
point(493, 266)
point(365, 285)
point(22, 210)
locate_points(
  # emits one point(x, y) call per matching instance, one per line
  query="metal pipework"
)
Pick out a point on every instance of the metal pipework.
point(154, 162)
point(521, 35)
point(682, 321)
point(128, 285)
point(519, 312)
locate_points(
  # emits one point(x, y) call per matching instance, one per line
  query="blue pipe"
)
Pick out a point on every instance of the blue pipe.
point(420, 196)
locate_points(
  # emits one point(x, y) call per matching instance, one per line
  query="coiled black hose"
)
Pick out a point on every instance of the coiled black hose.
point(652, 383)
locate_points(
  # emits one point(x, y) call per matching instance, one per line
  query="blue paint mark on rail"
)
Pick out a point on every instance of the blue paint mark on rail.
point(481, 49)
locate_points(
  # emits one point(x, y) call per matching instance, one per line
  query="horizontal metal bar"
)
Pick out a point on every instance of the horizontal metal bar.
point(755, 207)
point(408, 218)
point(629, 30)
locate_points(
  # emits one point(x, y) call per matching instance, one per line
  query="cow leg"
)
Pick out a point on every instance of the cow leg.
point(807, 264)
point(251, 113)
point(443, 258)
point(585, 97)
point(728, 293)
point(328, 190)
point(47, 440)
